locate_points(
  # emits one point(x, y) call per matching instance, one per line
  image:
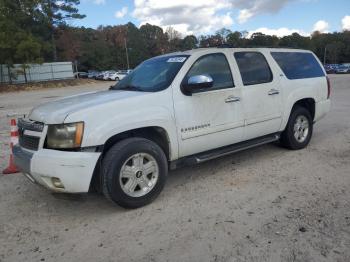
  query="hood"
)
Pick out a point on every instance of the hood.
point(55, 112)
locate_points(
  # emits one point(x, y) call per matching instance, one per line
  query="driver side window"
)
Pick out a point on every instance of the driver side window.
point(216, 66)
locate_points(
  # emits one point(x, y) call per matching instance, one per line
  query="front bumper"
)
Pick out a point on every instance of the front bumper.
point(74, 170)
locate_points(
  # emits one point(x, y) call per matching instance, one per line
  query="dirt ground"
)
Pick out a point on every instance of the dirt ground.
point(263, 204)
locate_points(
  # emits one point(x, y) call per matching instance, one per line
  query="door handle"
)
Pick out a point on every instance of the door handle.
point(273, 92)
point(231, 99)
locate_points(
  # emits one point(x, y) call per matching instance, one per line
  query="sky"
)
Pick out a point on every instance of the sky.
point(273, 17)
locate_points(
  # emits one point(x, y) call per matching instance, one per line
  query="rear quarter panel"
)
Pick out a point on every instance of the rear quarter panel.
point(294, 90)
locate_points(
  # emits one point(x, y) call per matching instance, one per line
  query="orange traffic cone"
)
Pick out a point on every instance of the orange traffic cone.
point(11, 169)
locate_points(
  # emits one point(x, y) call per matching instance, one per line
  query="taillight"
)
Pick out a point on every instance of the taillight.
point(328, 87)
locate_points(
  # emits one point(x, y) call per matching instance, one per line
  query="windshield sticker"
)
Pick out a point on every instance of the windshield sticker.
point(178, 59)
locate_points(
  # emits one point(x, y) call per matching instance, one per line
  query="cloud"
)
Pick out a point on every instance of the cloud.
point(188, 16)
point(251, 8)
point(201, 17)
point(280, 32)
point(121, 13)
point(346, 23)
point(321, 26)
point(244, 15)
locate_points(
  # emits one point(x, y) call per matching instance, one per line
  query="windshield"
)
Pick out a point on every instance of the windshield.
point(153, 75)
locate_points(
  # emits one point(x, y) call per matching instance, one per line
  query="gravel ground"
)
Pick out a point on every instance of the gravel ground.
point(263, 204)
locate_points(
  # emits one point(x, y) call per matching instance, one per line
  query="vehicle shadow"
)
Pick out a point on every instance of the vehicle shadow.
point(85, 204)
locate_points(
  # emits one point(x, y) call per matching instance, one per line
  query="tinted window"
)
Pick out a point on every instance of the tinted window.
point(253, 67)
point(296, 65)
point(216, 66)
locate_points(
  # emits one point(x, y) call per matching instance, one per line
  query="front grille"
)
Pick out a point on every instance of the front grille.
point(30, 125)
point(29, 142)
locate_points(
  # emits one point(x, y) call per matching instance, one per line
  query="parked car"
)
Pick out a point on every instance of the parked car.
point(107, 75)
point(342, 69)
point(330, 69)
point(80, 75)
point(173, 110)
point(100, 75)
point(119, 75)
point(103, 75)
point(93, 74)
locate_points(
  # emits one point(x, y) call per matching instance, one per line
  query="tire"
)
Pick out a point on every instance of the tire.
point(298, 119)
point(117, 79)
point(122, 169)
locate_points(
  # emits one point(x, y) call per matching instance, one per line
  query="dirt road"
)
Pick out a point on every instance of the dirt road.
point(264, 204)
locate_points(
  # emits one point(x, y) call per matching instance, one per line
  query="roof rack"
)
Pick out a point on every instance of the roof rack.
point(251, 46)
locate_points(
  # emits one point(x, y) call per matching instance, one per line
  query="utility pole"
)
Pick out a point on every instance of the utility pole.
point(126, 52)
point(325, 54)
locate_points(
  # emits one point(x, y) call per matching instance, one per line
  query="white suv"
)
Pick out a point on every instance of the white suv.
point(172, 110)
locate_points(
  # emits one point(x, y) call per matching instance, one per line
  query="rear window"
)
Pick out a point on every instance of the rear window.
point(297, 65)
point(253, 67)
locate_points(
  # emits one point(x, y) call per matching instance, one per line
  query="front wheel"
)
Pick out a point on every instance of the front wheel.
point(298, 132)
point(134, 172)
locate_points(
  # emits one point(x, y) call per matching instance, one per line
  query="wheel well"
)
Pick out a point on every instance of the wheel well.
point(309, 104)
point(153, 133)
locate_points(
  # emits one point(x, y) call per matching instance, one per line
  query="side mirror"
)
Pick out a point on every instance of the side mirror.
point(196, 83)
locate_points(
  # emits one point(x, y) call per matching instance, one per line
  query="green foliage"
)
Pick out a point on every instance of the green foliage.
point(33, 31)
point(28, 27)
point(28, 50)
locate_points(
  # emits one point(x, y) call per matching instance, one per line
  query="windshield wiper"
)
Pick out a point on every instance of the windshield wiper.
point(128, 88)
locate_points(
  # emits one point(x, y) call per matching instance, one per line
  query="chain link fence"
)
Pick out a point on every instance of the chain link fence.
point(35, 72)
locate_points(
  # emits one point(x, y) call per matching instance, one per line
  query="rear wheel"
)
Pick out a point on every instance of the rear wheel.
point(134, 172)
point(298, 132)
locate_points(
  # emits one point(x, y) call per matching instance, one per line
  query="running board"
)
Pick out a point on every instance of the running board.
point(223, 151)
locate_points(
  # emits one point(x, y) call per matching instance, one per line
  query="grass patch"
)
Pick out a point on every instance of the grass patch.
point(5, 88)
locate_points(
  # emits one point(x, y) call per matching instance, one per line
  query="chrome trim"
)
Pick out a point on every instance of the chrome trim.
point(273, 92)
point(232, 99)
point(30, 125)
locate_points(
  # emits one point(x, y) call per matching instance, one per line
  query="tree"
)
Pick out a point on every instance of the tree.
point(155, 39)
point(234, 39)
point(189, 42)
point(260, 39)
point(57, 12)
point(17, 43)
point(223, 33)
point(28, 51)
point(295, 41)
point(172, 33)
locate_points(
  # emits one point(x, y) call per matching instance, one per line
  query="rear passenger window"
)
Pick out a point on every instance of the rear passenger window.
point(216, 66)
point(297, 65)
point(253, 67)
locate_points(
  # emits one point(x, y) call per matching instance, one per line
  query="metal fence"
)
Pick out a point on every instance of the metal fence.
point(36, 72)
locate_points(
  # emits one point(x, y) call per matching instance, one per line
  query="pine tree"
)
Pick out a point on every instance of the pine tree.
point(57, 12)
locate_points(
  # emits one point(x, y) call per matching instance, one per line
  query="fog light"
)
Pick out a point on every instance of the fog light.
point(57, 182)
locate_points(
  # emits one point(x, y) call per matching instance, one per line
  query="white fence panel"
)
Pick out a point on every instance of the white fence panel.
point(37, 72)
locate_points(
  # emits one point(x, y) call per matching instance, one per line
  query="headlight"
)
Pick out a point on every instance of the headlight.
point(65, 135)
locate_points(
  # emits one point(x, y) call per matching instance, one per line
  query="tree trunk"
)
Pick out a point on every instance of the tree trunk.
point(1, 75)
point(51, 25)
point(9, 74)
point(53, 42)
point(25, 75)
